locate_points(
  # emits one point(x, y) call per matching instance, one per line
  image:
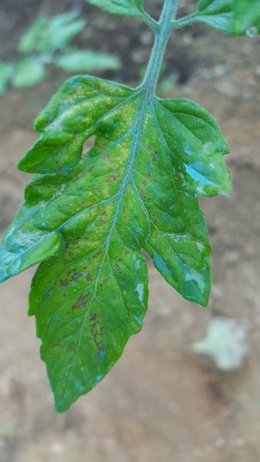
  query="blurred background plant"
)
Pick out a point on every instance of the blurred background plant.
point(48, 42)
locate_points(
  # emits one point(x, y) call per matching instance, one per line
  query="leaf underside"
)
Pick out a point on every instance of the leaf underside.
point(120, 7)
point(89, 214)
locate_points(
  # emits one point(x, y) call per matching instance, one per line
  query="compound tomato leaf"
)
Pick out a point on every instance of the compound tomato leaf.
point(120, 7)
point(217, 13)
point(90, 213)
point(246, 17)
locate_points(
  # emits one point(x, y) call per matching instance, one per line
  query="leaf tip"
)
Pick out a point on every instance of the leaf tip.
point(197, 287)
point(61, 406)
point(22, 165)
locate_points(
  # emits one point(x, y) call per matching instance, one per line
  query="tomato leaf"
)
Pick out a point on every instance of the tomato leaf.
point(90, 214)
point(86, 60)
point(217, 13)
point(50, 34)
point(121, 7)
point(246, 17)
point(237, 17)
point(28, 72)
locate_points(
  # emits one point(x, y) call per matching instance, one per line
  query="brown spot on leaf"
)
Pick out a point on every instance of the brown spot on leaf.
point(70, 347)
point(89, 277)
point(80, 302)
point(115, 176)
point(74, 275)
point(97, 332)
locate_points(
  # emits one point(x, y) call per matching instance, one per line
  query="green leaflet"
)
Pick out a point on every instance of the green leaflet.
point(87, 60)
point(89, 214)
point(50, 34)
point(217, 13)
point(121, 7)
point(47, 42)
point(246, 17)
point(28, 72)
point(235, 17)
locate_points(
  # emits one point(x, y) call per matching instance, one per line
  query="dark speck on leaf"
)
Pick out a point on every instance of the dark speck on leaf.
point(80, 302)
point(70, 347)
point(74, 275)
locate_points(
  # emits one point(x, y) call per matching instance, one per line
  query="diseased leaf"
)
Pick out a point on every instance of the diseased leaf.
point(28, 72)
point(91, 214)
point(87, 60)
point(246, 17)
point(121, 7)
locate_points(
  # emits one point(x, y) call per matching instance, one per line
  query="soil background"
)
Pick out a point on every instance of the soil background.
point(160, 402)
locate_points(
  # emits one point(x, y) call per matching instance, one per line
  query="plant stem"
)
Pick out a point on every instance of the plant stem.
point(185, 21)
point(161, 39)
point(151, 22)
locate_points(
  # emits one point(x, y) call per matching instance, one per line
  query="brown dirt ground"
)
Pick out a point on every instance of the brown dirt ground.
point(160, 402)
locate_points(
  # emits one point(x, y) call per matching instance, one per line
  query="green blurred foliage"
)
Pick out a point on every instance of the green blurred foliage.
point(48, 41)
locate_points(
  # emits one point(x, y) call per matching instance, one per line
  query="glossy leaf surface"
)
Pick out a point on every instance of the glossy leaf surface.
point(89, 215)
point(121, 7)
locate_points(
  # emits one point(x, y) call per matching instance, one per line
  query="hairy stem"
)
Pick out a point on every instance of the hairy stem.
point(184, 21)
point(151, 22)
point(161, 39)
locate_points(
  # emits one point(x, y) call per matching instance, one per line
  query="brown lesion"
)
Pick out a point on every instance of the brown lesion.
point(97, 331)
point(115, 176)
point(80, 302)
point(89, 277)
point(70, 347)
point(117, 267)
point(73, 276)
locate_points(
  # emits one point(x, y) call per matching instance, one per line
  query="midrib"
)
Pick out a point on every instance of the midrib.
point(137, 131)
